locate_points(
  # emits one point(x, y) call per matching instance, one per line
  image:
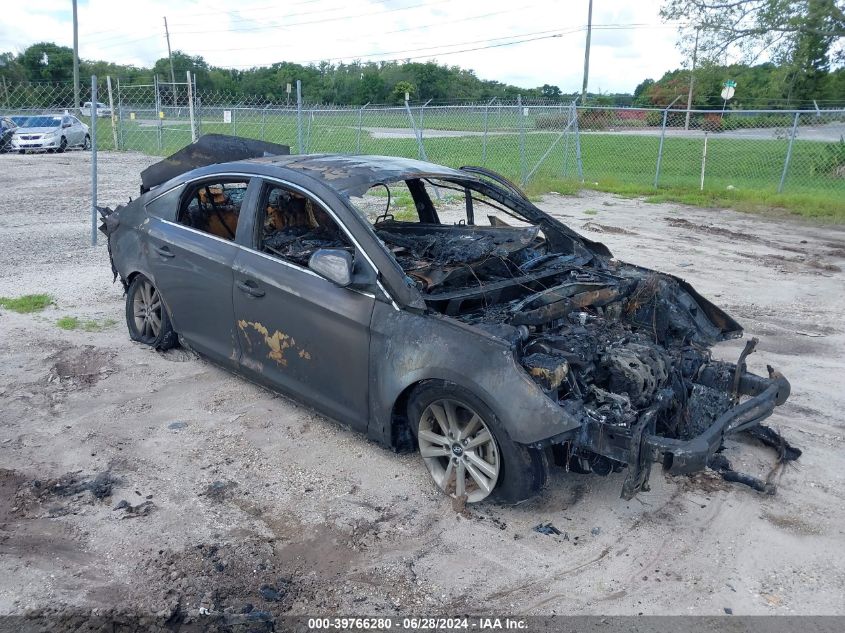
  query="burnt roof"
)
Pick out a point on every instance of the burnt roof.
point(354, 175)
point(208, 150)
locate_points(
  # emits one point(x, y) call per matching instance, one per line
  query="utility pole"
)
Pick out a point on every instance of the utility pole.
point(692, 77)
point(76, 62)
point(170, 55)
point(587, 53)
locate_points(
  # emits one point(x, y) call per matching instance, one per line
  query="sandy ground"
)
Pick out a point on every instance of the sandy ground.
point(238, 496)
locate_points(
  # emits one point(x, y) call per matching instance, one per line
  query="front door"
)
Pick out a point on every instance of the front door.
point(299, 331)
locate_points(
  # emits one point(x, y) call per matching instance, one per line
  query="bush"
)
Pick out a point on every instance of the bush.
point(831, 161)
point(596, 119)
point(551, 121)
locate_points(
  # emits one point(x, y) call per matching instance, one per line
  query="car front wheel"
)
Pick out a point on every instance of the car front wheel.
point(146, 315)
point(62, 145)
point(86, 145)
point(467, 451)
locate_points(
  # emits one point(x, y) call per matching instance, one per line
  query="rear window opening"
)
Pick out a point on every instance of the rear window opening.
point(214, 207)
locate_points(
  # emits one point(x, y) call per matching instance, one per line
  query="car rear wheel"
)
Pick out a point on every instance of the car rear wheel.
point(146, 315)
point(62, 145)
point(467, 451)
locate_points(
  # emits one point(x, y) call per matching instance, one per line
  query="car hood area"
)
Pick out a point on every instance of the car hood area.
point(37, 130)
point(602, 337)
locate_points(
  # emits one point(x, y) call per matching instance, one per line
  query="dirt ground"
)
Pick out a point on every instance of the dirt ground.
point(158, 483)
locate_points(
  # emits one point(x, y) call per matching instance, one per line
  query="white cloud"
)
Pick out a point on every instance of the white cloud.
point(257, 32)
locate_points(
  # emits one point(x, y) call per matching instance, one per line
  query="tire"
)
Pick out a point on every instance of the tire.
point(62, 146)
point(521, 471)
point(21, 151)
point(86, 145)
point(146, 315)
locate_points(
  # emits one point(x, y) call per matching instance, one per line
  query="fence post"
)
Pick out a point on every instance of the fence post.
point(308, 135)
point(660, 148)
point(191, 106)
point(234, 112)
point(299, 115)
point(111, 110)
point(264, 121)
point(158, 111)
point(93, 160)
point(570, 123)
point(578, 163)
point(522, 166)
point(197, 109)
point(662, 137)
point(422, 113)
point(360, 122)
point(121, 142)
point(417, 135)
point(484, 140)
point(788, 152)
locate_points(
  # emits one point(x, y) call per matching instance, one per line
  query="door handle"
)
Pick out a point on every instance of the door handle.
point(164, 251)
point(250, 288)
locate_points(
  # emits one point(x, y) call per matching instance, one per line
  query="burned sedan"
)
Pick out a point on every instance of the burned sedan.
point(437, 309)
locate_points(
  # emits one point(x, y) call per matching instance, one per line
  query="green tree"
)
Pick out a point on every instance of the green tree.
point(46, 61)
point(182, 62)
point(400, 89)
point(755, 27)
point(550, 92)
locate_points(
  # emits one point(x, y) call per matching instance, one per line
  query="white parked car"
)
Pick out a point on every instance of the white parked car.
point(102, 109)
point(51, 132)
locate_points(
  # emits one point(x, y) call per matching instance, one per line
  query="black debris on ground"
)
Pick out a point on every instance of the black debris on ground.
point(548, 529)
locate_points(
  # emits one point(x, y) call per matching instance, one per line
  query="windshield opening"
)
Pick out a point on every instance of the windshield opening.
point(42, 121)
point(448, 235)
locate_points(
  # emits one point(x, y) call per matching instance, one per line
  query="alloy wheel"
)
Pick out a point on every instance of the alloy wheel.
point(459, 450)
point(146, 309)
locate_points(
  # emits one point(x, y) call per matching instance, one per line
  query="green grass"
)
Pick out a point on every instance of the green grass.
point(742, 173)
point(26, 303)
point(88, 325)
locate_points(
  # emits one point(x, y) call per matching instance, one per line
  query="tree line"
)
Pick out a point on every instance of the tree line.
point(767, 85)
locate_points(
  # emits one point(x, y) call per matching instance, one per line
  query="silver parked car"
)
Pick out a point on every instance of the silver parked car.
point(51, 132)
point(102, 109)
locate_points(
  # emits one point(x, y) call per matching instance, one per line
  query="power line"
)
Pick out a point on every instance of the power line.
point(403, 30)
point(241, 18)
point(108, 40)
point(435, 54)
point(335, 19)
point(222, 11)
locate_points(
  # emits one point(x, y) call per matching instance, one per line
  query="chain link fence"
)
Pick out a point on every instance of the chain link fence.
point(609, 147)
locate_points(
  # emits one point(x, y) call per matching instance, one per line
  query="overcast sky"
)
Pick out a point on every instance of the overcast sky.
point(259, 32)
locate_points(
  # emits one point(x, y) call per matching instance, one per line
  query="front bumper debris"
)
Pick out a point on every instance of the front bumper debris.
point(640, 446)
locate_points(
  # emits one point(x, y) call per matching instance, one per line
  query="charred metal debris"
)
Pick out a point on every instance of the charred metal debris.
point(622, 349)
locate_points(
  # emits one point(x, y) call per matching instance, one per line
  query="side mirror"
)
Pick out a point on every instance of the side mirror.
point(335, 264)
point(65, 124)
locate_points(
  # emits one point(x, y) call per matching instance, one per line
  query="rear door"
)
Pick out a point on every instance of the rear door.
point(192, 247)
point(298, 331)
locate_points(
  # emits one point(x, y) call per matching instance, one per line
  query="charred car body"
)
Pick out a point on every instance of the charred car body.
point(491, 344)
